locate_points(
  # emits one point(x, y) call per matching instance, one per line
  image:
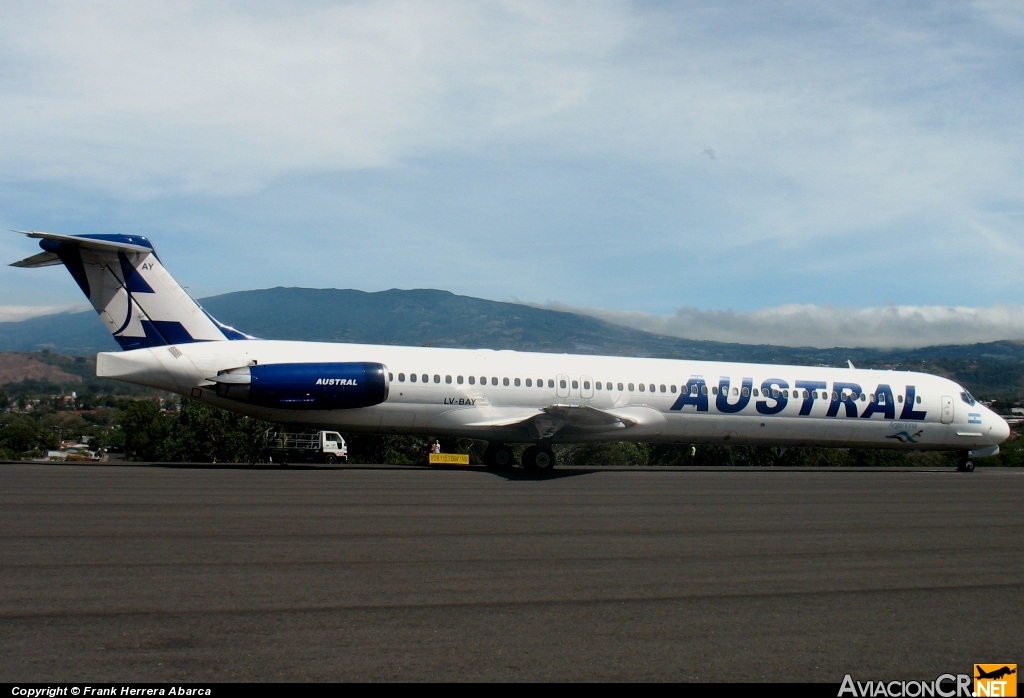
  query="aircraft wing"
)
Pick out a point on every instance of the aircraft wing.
point(547, 421)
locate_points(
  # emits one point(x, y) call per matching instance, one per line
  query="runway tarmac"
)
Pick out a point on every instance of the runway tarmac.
point(211, 573)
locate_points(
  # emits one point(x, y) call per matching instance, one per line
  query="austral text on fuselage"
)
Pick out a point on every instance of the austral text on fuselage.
point(776, 395)
point(336, 381)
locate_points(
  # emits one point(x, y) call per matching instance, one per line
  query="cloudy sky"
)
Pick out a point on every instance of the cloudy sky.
point(793, 172)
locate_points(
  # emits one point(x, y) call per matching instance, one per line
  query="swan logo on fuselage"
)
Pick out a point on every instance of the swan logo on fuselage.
point(336, 381)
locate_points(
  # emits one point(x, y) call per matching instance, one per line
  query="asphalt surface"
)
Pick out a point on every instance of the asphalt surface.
point(210, 573)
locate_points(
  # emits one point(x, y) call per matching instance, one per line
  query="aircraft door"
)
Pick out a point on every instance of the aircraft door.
point(586, 387)
point(562, 385)
point(947, 409)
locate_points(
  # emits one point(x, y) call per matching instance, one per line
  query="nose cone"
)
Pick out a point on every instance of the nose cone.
point(1000, 430)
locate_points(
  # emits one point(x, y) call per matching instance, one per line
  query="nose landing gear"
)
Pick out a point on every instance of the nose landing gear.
point(965, 464)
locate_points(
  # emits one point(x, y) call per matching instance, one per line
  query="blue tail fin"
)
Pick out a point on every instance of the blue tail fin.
point(123, 278)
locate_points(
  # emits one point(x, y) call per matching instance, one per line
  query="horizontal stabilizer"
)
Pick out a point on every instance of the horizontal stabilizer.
point(43, 259)
point(124, 243)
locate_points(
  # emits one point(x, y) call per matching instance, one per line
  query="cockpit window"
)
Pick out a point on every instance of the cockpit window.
point(968, 398)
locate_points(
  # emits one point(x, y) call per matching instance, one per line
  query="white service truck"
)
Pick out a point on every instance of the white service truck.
point(306, 447)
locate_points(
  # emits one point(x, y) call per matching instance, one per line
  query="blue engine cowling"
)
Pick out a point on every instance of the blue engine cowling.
point(325, 386)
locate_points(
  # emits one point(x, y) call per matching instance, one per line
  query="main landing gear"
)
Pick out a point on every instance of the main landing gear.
point(499, 456)
point(538, 458)
point(965, 464)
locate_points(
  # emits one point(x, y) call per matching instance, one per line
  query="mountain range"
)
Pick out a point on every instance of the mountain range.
point(442, 319)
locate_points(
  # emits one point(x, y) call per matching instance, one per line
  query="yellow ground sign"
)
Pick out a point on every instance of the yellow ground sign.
point(449, 459)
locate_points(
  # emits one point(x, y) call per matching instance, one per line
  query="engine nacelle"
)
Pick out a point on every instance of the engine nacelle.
point(313, 386)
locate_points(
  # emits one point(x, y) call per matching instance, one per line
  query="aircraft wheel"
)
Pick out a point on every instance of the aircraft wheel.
point(537, 458)
point(499, 457)
point(966, 465)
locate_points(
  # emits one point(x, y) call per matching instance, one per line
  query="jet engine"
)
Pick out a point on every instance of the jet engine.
point(312, 386)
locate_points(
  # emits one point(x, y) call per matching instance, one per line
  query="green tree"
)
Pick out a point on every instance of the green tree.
point(606, 453)
point(144, 428)
point(203, 434)
point(20, 435)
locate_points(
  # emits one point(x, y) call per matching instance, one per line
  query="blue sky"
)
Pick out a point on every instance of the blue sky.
point(652, 163)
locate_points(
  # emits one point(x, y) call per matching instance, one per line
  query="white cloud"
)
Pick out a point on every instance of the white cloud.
point(152, 97)
point(830, 124)
point(894, 326)
point(17, 313)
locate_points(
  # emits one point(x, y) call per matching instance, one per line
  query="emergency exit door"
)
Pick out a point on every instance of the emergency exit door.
point(947, 409)
point(562, 385)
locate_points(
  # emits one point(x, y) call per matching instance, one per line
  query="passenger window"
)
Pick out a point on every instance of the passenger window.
point(703, 390)
point(551, 383)
point(755, 392)
point(575, 385)
point(529, 382)
point(919, 399)
point(561, 384)
point(540, 382)
point(620, 387)
point(672, 388)
point(472, 380)
point(746, 392)
point(448, 380)
point(630, 387)
point(899, 398)
point(714, 390)
point(651, 386)
point(459, 380)
point(735, 391)
point(425, 378)
point(835, 395)
point(437, 378)
point(693, 390)
point(641, 387)
point(597, 385)
point(517, 382)
point(412, 377)
point(504, 381)
point(586, 385)
point(494, 380)
point(401, 377)
point(391, 376)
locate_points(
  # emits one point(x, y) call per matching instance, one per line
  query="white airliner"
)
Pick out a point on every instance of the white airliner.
point(169, 342)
